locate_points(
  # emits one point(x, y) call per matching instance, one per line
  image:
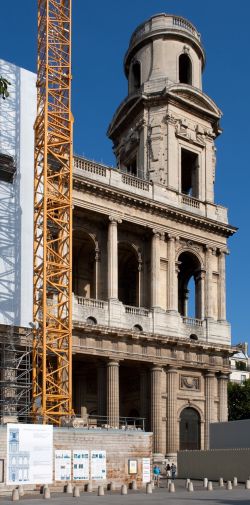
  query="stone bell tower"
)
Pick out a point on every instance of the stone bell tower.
point(164, 133)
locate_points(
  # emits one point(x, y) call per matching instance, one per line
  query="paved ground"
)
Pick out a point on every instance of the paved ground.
point(160, 496)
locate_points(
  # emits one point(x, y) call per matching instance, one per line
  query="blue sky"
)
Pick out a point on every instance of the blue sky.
point(101, 32)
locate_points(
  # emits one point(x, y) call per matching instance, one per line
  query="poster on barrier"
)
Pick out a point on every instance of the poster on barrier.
point(98, 465)
point(62, 465)
point(146, 470)
point(80, 465)
point(29, 454)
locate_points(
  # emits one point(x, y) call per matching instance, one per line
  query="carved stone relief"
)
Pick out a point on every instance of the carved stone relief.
point(190, 383)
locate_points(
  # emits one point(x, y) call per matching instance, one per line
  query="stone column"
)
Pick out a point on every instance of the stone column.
point(209, 405)
point(155, 269)
point(222, 287)
point(200, 294)
point(139, 284)
point(172, 425)
point(101, 389)
point(209, 283)
point(172, 276)
point(156, 411)
point(144, 396)
point(112, 258)
point(97, 273)
point(113, 393)
point(223, 412)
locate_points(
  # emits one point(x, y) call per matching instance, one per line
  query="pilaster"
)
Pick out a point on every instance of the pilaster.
point(113, 393)
point(172, 425)
point(156, 411)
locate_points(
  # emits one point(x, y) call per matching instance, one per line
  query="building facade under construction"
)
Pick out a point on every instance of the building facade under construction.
point(150, 336)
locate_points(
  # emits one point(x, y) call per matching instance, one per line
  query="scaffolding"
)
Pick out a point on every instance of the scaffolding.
point(15, 377)
point(52, 345)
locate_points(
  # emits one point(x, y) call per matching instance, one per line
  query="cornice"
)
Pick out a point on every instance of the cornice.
point(132, 200)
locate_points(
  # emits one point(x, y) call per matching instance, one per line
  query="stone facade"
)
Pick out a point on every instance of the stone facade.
point(142, 233)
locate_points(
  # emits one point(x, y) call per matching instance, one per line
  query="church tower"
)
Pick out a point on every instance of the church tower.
point(164, 132)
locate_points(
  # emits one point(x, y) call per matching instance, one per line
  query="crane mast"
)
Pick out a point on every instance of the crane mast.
point(52, 347)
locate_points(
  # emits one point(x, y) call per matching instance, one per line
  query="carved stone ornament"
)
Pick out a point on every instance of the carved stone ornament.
point(191, 383)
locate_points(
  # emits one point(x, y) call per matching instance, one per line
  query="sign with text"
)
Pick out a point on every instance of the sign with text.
point(146, 470)
point(81, 465)
point(98, 465)
point(63, 465)
point(29, 454)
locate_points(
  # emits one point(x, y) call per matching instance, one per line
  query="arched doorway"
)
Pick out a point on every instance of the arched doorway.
point(83, 265)
point(189, 286)
point(190, 436)
point(127, 275)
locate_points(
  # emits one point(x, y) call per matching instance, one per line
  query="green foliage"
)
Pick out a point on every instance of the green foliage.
point(239, 400)
point(4, 87)
point(240, 365)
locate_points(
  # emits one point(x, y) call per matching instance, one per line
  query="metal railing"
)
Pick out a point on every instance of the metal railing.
point(95, 422)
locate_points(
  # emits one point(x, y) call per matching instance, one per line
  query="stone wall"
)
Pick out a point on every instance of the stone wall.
point(119, 446)
point(213, 464)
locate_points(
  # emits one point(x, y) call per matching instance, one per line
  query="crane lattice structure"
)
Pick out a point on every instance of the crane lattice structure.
point(52, 348)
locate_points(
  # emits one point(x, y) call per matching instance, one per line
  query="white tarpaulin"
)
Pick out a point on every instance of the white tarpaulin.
point(80, 465)
point(98, 465)
point(29, 454)
point(62, 465)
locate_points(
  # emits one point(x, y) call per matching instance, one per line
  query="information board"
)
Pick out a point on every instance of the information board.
point(146, 470)
point(29, 454)
point(98, 465)
point(62, 465)
point(81, 465)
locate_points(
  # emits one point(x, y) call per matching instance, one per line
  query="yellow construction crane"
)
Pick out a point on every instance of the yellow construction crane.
point(52, 348)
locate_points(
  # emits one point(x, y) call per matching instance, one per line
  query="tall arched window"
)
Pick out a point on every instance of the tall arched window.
point(83, 265)
point(190, 423)
point(185, 69)
point(136, 75)
point(189, 286)
point(127, 275)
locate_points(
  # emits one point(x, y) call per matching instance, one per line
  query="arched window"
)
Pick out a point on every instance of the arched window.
point(137, 327)
point(91, 320)
point(190, 429)
point(185, 69)
point(83, 265)
point(127, 275)
point(189, 286)
point(136, 75)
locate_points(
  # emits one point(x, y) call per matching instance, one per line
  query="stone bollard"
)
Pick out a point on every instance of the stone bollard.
point(15, 495)
point(149, 488)
point(134, 485)
point(152, 484)
point(100, 491)
point(46, 493)
point(187, 483)
point(124, 489)
point(112, 486)
point(247, 485)
point(235, 482)
point(221, 482)
point(205, 482)
point(210, 486)
point(76, 492)
point(190, 487)
point(229, 485)
point(171, 488)
point(89, 488)
point(20, 490)
point(69, 488)
point(168, 483)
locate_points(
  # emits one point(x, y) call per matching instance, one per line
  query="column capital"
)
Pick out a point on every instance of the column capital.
point(158, 233)
point(209, 373)
point(223, 250)
point(113, 362)
point(173, 238)
point(156, 368)
point(114, 220)
point(171, 369)
point(223, 376)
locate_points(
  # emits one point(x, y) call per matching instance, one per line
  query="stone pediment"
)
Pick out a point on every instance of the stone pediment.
point(194, 97)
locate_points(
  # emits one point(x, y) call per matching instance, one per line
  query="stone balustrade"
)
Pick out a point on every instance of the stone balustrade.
point(115, 314)
point(157, 193)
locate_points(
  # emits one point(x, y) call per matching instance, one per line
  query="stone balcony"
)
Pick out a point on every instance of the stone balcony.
point(157, 193)
point(113, 313)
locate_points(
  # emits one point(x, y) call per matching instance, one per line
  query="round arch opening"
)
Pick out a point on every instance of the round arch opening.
point(190, 429)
